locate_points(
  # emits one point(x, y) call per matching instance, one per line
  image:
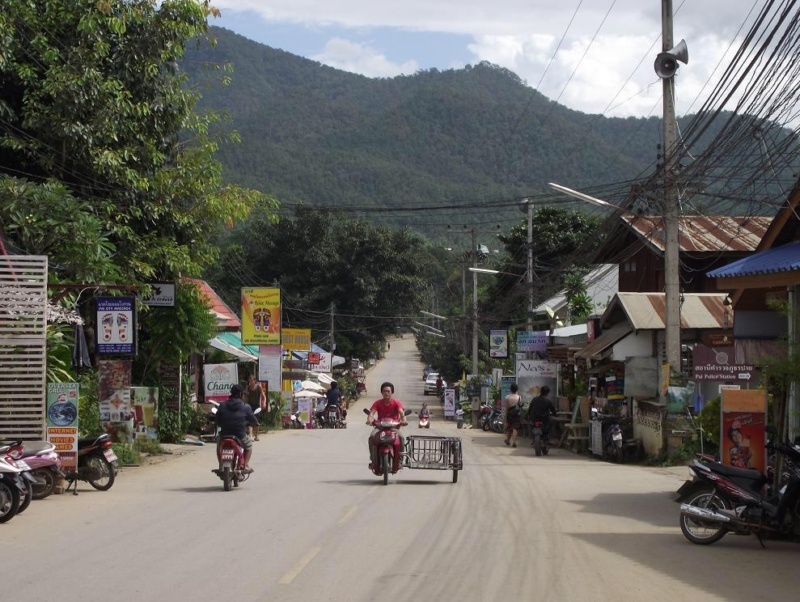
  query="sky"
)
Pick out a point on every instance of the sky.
point(594, 56)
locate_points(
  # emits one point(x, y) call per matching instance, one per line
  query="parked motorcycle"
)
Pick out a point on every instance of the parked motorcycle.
point(296, 422)
point(540, 440)
point(495, 420)
point(44, 463)
point(97, 464)
point(386, 447)
point(720, 499)
point(614, 443)
point(484, 413)
point(12, 487)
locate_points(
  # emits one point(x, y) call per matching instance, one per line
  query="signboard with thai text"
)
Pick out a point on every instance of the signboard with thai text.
point(717, 363)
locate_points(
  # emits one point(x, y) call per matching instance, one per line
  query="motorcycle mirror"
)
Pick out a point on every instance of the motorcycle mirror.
point(408, 412)
point(366, 411)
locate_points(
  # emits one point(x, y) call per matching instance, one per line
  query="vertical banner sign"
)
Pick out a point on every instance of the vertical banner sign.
point(144, 405)
point(62, 422)
point(261, 316)
point(269, 365)
point(218, 380)
point(449, 403)
point(170, 376)
point(532, 375)
point(498, 343)
point(742, 432)
point(116, 326)
point(115, 399)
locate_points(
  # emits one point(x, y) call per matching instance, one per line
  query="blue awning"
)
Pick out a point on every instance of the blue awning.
point(772, 261)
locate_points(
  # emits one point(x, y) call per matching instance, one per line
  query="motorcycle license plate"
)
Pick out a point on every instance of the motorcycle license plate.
point(227, 456)
point(110, 455)
point(537, 430)
point(617, 436)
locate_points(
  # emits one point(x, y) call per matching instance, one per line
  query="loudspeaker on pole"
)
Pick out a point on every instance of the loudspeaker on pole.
point(667, 62)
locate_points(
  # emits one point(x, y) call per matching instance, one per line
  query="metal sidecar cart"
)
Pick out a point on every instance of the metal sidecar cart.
point(433, 453)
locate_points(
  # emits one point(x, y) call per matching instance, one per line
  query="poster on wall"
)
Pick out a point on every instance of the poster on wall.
point(116, 327)
point(269, 365)
point(449, 403)
point(742, 431)
point(62, 422)
point(115, 395)
point(532, 375)
point(261, 316)
point(218, 380)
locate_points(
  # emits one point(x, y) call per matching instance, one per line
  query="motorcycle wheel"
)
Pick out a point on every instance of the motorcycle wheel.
point(47, 486)
point(226, 478)
point(537, 444)
point(9, 500)
point(99, 464)
point(385, 468)
point(485, 425)
point(697, 531)
point(455, 476)
point(25, 501)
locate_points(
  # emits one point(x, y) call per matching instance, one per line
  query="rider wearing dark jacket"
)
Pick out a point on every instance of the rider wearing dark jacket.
point(541, 408)
point(233, 416)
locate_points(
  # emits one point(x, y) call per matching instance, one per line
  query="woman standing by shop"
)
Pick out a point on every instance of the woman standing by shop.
point(256, 399)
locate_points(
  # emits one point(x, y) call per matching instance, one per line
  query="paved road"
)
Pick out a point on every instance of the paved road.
point(313, 524)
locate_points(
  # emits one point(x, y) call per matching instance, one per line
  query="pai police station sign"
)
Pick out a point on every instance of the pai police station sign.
point(719, 364)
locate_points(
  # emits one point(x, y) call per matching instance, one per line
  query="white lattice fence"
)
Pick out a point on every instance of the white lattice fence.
point(23, 345)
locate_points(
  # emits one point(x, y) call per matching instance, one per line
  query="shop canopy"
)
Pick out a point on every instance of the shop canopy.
point(231, 342)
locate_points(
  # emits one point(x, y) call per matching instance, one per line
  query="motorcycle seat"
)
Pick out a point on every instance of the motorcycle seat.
point(37, 448)
point(730, 471)
point(91, 441)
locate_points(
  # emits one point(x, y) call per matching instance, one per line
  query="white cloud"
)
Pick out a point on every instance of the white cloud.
point(604, 63)
point(358, 58)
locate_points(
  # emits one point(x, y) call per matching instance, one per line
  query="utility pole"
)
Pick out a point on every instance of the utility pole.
point(671, 240)
point(527, 206)
point(474, 255)
point(333, 342)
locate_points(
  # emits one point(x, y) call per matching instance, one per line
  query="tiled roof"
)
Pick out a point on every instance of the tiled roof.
point(771, 261)
point(226, 319)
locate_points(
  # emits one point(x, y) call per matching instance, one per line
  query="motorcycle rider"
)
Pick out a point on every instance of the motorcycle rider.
point(424, 413)
point(540, 410)
point(233, 418)
point(386, 408)
point(334, 400)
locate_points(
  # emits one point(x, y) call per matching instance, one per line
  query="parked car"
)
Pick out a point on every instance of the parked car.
point(430, 383)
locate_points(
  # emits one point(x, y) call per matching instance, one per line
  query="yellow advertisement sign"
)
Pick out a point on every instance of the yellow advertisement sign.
point(296, 339)
point(261, 316)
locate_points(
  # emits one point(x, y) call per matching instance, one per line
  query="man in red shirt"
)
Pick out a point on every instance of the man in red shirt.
point(386, 408)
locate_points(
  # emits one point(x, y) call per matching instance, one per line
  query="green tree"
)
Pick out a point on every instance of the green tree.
point(369, 278)
point(91, 97)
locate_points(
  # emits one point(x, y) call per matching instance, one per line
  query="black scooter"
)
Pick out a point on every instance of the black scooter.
point(97, 464)
point(720, 499)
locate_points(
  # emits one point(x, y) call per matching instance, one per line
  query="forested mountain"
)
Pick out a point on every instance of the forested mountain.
point(320, 136)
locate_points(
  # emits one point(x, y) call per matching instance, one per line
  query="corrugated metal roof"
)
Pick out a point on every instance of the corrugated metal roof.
point(704, 234)
point(647, 311)
point(771, 261)
point(595, 349)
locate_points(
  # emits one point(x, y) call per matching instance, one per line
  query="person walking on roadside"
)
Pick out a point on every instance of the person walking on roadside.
point(512, 414)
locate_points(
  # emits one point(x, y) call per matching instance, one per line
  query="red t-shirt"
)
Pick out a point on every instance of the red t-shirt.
point(393, 410)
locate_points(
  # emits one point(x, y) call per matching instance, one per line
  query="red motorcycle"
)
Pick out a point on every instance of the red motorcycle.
point(386, 445)
point(230, 456)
